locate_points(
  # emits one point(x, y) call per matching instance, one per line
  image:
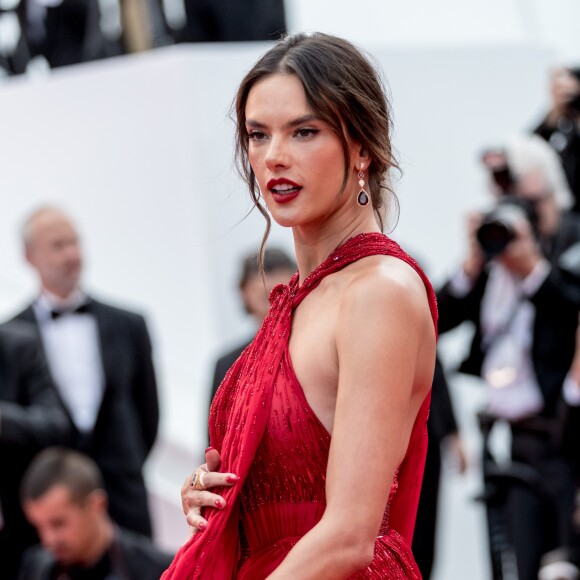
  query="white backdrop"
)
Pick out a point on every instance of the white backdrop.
point(139, 150)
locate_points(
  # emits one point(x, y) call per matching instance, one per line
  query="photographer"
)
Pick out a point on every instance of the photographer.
point(561, 127)
point(524, 307)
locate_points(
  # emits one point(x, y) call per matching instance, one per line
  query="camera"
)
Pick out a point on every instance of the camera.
point(498, 226)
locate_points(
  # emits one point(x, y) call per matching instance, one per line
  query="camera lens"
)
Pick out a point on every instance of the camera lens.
point(497, 228)
point(494, 235)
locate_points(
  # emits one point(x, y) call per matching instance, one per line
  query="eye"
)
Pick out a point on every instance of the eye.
point(256, 135)
point(305, 132)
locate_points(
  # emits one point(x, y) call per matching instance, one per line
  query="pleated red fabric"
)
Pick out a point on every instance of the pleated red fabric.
point(269, 436)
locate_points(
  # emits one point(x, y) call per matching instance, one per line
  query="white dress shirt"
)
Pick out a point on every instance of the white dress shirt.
point(507, 320)
point(72, 347)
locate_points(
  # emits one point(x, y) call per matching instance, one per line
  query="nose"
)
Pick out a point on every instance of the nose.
point(277, 154)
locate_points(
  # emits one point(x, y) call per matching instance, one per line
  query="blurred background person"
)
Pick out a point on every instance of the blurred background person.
point(66, 32)
point(569, 436)
point(512, 287)
point(101, 363)
point(64, 498)
point(14, 50)
point(444, 438)
point(254, 293)
point(144, 25)
point(234, 20)
point(63, 32)
point(445, 444)
point(31, 417)
point(561, 126)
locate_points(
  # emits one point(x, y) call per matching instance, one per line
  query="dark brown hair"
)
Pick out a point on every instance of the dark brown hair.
point(344, 89)
point(60, 466)
point(273, 259)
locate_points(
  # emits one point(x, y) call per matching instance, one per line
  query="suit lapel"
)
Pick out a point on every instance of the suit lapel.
point(107, 338)
point(29, 316)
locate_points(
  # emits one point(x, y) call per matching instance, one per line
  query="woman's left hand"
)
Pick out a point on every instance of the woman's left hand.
point(195, 494)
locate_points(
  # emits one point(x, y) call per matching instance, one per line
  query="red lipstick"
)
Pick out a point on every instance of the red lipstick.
point(283, 190)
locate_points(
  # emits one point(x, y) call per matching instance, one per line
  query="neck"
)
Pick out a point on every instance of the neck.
point(61, 293)
point(101, 542)
point(313, 244)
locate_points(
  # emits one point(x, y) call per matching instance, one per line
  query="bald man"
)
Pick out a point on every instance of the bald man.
point(100, 360)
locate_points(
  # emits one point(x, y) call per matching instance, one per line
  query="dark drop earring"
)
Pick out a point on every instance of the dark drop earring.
point(363, 196)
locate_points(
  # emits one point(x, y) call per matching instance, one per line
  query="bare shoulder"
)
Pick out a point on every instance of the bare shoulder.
point(385, 283)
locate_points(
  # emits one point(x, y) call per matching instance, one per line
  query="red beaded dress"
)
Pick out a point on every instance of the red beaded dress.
point(267, 433)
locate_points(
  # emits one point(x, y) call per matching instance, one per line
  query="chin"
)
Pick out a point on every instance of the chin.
point(284, 222)
point(288, 218)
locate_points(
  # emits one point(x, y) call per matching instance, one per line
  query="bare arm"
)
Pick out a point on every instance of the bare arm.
point(386, 348)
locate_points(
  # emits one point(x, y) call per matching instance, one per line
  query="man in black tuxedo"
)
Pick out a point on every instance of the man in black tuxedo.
point(523, 298)
point(63, 496)
point(31, 417)
point(100, 360)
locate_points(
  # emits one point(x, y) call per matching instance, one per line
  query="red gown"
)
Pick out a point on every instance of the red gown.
point(267, 433)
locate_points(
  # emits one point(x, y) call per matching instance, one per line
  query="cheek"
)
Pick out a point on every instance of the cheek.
point(254, 157)
point(258, 169)
point(328, 177)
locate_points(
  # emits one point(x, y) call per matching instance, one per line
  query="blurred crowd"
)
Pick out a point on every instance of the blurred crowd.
point(518, 288)
point(64, 32)
point(78, 391)
point(76, 374)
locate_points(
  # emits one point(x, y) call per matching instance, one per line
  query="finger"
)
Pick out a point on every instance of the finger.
point(213, 459)
point(196, 521)
point(195, 499)
point(210, 480)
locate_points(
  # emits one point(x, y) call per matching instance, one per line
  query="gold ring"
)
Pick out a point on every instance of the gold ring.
point(197, 479)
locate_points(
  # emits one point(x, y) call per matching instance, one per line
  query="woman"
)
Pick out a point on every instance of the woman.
point(320, 425)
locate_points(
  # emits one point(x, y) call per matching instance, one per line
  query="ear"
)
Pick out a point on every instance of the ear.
point(98, 501)
point(29, 254)
point(363, 159)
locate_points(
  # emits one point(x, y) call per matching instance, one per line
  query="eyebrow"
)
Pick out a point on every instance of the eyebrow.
point(293, 123)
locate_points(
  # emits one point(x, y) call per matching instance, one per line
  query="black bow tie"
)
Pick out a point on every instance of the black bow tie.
point(82, 309)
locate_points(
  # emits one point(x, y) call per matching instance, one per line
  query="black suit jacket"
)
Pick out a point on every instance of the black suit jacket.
point(133, 557)
point(127, 421)
point(31, 417)
point(556, 304)
point(222, 366)
point(570, 155)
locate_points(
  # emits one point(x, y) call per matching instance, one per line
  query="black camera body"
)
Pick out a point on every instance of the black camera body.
point(498, 226)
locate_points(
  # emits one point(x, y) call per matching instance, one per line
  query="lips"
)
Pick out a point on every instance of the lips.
point(283, 190)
